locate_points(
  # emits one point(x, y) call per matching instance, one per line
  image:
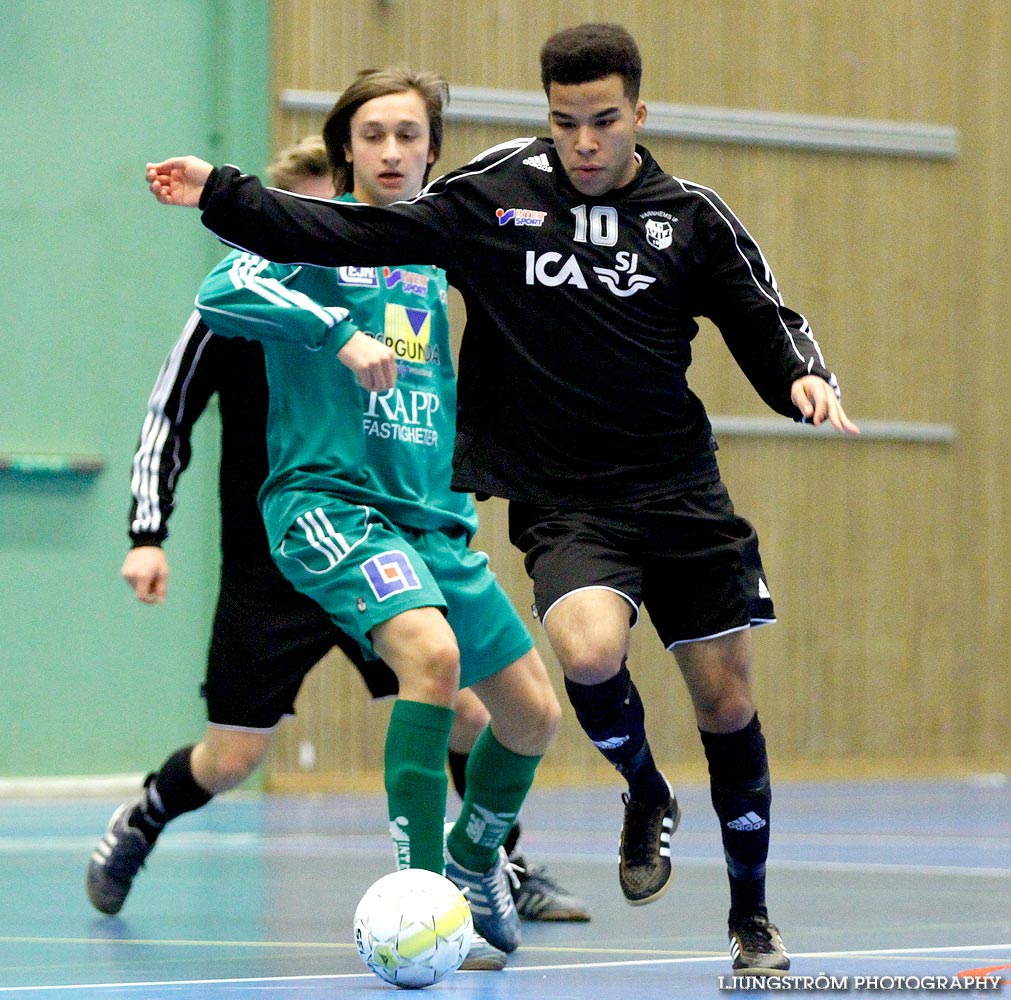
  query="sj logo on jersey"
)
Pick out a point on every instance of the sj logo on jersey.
point(390, 573)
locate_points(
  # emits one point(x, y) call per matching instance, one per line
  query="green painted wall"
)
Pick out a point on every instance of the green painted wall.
point(97, 282)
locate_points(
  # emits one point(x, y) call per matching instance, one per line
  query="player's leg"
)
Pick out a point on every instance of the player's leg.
point(525, 716)
point(499, 662)
point(586, 587)
point(134, 828)
point(421, 649)
point(265, 638)
point(537, 894)
point(501, 765)
point(369, 576)
point(589, 631)
point(224, 758)
point(717, 673)
point(700, 540)
point(468, 724)
point(382, 683)
point(501, 666)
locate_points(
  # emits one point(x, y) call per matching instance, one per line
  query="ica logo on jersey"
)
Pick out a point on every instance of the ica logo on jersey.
point(548, 269)
point(621, 280)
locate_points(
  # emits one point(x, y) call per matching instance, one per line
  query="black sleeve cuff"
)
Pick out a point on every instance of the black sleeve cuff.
point(208, 184)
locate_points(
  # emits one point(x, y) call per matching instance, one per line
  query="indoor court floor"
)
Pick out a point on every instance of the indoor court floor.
point(252, 897)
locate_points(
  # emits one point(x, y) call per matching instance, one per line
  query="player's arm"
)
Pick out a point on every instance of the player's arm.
point(185, 382)
point(289, 228)
point(247, 296)
point(772, 343)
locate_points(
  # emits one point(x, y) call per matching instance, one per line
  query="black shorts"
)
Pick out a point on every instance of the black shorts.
point(689, 559)
point(265, 638)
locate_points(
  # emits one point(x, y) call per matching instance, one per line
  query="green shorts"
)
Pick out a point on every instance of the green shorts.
point(363, 570)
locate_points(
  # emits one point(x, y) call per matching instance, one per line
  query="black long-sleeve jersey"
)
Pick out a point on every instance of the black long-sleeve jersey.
point(198, 366)
point(580, 313)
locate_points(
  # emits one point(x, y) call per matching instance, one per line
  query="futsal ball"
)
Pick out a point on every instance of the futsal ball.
point(413, 928)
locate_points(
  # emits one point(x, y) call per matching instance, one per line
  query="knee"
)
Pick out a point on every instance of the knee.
point(718, 674)
point(724, 711)
point(589, 632)
point(422, 651)
point(225, 766)
point(435, 676)
point(725, 703)
point(590, 660)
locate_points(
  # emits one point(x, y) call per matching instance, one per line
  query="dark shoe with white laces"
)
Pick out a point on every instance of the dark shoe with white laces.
point(540, 897)
point(114, 863)
point(644, 868)
point(491, 901)
point(756, 947)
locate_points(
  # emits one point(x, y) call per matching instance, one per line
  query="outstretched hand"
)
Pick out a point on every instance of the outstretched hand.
point(179, 180)
point(817, 401)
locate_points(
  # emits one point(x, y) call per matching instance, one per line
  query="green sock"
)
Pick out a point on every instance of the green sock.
point(417, 741)
point(497, 783)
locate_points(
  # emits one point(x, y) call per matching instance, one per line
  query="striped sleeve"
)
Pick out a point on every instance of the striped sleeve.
point(247, 296)
point(773, 344)
point(185, 383)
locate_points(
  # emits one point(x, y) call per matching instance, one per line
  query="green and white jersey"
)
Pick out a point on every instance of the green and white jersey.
point(391, 451)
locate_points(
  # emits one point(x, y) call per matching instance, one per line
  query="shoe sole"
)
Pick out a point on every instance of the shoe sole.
point(670, 878)
point(109, 909)
point(759, 971)
point(559, 917)
point(482, 965)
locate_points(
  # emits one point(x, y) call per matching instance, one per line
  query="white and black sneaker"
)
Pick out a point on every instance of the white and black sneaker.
point(644, 867)
point(114, 863)
point(756, 948)
point(540, 897)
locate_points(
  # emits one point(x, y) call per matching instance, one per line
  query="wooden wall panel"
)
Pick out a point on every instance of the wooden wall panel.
point(887, 560)
point(979, 213)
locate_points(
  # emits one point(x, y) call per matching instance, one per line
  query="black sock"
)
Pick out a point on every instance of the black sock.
point(742, 797)
point(511, 843)
point(612, 715)
point(458, 772)
point(168, 793)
